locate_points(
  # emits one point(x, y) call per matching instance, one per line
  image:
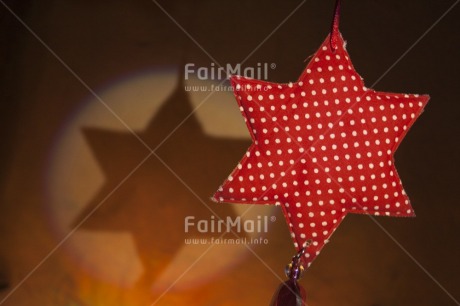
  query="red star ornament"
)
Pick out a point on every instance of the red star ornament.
point(322, 147)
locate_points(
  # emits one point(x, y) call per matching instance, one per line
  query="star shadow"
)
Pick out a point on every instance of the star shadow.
point(153, 202)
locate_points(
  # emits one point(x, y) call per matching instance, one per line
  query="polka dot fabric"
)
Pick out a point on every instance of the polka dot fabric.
point(322, 147)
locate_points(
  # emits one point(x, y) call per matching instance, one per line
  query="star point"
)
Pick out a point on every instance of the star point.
point(322, 147)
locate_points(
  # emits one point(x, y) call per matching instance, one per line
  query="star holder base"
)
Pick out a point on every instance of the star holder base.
point(291, 293)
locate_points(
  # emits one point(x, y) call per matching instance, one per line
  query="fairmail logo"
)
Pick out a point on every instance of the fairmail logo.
point(214, 72)
point(228, 224)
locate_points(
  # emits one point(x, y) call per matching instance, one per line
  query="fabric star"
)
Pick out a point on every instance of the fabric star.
point(322, 147)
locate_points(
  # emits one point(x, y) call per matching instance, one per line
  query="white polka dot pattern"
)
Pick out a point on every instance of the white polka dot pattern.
point(322, 147)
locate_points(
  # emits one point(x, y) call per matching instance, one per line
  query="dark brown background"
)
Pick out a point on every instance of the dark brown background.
point(103, 41)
